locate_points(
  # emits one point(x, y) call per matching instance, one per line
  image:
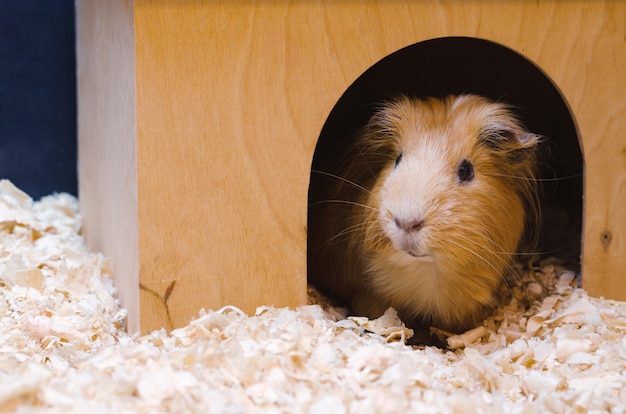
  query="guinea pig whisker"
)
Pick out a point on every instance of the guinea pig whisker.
point(376, 240)
point(345, 180)
point(510, 269)
point(490, 240)
point(495, 249)
point(483, 259)
point(348, 230)
point(352, 203)
point(359, 227)
point(567, 177)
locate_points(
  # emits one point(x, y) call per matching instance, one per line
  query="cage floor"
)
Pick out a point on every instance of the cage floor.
point(552, 348)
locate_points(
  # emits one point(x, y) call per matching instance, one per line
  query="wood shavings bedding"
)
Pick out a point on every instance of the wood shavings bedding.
point(62, 349)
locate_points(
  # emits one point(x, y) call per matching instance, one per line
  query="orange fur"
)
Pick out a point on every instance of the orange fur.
point(444, 270)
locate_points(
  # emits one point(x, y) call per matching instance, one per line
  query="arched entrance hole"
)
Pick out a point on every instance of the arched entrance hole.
point(454, 65)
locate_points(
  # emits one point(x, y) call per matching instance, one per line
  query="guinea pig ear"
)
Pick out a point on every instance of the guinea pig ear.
point(508, 138)
point(512, 143)
point(528, 139)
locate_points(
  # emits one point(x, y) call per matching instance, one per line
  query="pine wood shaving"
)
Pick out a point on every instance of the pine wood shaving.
point(552, 348)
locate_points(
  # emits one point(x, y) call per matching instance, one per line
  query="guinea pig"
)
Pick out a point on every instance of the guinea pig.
point(429, 214)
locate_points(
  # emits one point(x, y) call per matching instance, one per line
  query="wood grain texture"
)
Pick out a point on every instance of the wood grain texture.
point(228, 225)
point(106, 145)
point(231, 97)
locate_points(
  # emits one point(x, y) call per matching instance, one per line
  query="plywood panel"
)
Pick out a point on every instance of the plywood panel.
point(229, 224)
point(106, 140)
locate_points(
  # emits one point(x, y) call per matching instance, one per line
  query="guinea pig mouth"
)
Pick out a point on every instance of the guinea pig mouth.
point(417, 255)
point(413, 251)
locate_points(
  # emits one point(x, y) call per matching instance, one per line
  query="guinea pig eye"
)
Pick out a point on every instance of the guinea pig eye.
point(398, 160)
point(465, 171)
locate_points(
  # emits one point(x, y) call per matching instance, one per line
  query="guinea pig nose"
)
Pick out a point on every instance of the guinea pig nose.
point(410, 226)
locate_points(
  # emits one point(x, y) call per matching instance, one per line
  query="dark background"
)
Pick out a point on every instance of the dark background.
point(38, 96)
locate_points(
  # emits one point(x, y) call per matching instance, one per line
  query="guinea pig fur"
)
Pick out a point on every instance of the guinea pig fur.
point(430, 213)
